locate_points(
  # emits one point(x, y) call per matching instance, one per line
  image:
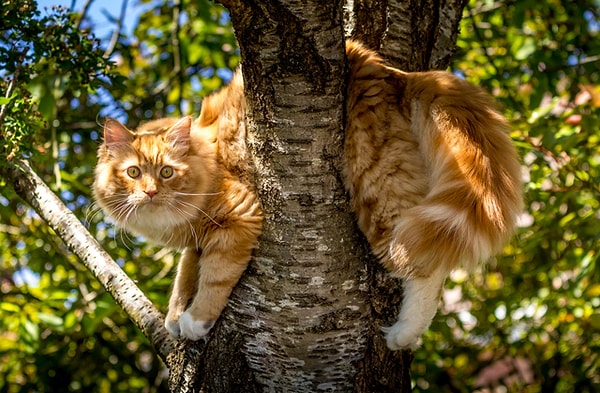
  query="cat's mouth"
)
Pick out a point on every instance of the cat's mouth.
point(151, 205)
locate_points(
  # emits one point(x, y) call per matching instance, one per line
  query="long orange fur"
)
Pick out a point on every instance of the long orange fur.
point(207, 207)
point(432, 175)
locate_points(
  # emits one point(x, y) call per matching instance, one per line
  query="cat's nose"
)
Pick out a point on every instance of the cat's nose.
point(151, 193)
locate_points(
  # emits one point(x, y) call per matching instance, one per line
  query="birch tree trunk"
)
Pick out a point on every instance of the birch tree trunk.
point(306, 316)
point(311, 323)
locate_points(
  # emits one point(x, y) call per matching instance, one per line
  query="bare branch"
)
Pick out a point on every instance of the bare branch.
point(177, 70)
point(139, 308)
point(84, 10)
point(115, 36)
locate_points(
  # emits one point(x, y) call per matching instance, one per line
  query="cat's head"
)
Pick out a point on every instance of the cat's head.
point(150, 180)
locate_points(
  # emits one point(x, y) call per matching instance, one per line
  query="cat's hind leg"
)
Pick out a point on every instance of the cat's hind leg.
point(419, 306)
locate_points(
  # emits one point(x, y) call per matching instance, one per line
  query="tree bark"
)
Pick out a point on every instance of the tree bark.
point(307, 314)
point(310, 322)
point(412, 35)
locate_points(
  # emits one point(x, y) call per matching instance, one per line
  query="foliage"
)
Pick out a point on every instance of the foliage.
point(530, 323)
point(59, 330)
point(168, 66)
point(41, 59)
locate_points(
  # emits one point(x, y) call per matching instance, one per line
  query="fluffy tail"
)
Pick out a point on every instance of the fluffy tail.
point(473, 201)
point(474, 198)
point(459, 202)
point(226, 110)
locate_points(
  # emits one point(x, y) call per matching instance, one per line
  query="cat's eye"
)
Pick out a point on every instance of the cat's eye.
point(133, 172)
point(166, 172)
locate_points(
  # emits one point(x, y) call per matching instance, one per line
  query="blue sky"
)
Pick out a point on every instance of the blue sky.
point(103, 26)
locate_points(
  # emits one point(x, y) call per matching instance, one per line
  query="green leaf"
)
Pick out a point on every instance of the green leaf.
point(526, 49)
point(13, 308)
point(47, 105)
point(51, 320)
point(30, 335)
point(595, 321)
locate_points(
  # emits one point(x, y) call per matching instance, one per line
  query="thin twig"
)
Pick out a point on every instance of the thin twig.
point(54, 137)
point(84, 10)
point(482, 9)
point(480, 38)
point(115, 36)
point(175, 29)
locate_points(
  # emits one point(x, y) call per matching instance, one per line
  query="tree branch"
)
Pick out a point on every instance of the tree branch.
point(140, 309)
point(84, 10)
point(115, 36)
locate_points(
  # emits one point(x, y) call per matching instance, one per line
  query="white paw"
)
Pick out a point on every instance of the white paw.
point(172, 327)
point(402, 335)
point(192, 329)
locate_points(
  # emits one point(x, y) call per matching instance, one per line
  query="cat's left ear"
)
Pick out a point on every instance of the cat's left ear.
point(179, 134)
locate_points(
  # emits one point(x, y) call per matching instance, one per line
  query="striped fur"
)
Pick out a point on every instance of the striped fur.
point(207, 207)
point(432, 175)
point(433, 178)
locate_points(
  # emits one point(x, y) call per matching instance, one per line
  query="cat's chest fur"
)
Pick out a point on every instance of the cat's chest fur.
point(161, 225)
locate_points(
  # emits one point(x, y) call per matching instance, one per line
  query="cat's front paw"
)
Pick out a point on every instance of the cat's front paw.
point(192, 329)
point(401, 335)
point(172, 327)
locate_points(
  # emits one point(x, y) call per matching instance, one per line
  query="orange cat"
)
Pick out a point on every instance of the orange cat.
point(433, 178)
point(432, 175)
point(185, 185)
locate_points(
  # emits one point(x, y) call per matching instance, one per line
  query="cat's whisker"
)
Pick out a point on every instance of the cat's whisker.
point(182, 213)
point(200, 194)
point(124, 211)
point(91, 212)
point(169, 228)
point(187, 204)
point(194, 233)
point(125, 239)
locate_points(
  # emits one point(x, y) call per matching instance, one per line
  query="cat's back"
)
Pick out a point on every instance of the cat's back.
point(384, 170)
point(224, 111)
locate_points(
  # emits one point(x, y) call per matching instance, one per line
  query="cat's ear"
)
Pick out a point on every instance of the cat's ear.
point(179, 134)
point(116, 133)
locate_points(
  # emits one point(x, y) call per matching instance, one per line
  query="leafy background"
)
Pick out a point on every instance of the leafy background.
point(527, 323)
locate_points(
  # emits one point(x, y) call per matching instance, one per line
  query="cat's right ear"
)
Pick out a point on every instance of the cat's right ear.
point(116, 133)
point(179, 135)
